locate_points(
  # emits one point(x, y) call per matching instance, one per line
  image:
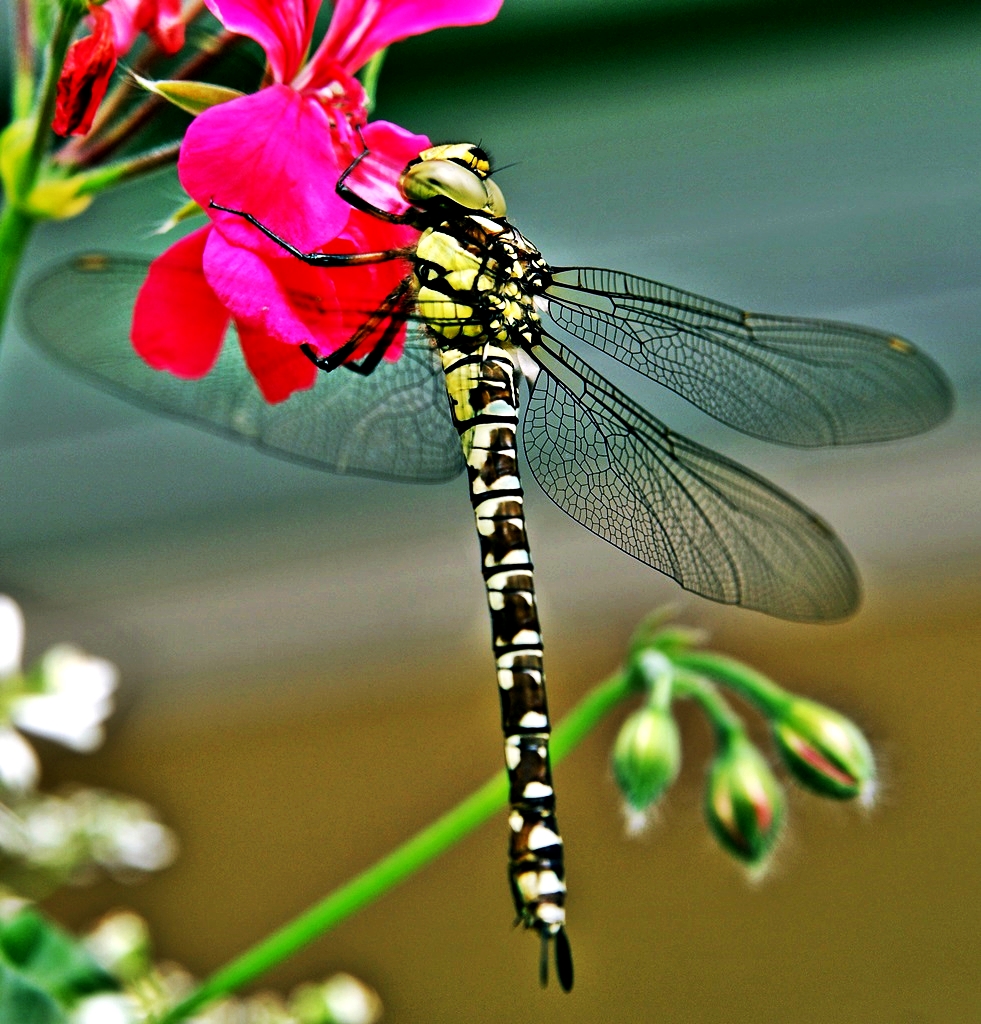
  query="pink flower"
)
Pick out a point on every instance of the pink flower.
point(90, 61)
point(278, 154)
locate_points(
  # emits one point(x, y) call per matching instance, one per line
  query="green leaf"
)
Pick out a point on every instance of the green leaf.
point(45, 956)
point(23, 1002)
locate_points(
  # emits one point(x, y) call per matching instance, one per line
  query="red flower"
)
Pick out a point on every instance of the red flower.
point(278, 155)
point(85, 75)
point(90, 61)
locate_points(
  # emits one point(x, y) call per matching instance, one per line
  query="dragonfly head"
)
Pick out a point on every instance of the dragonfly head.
point(455, 175)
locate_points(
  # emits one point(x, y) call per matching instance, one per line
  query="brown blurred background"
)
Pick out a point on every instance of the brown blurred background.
point(307, 676)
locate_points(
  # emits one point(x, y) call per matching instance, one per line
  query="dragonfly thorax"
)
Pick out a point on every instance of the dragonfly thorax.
point(477, 277)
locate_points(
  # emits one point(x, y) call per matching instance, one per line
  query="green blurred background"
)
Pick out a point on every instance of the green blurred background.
point(307, 676)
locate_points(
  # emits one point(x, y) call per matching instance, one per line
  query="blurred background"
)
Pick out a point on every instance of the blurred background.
point(305, 658)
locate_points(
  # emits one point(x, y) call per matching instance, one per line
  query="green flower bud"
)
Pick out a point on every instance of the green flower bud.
point(744, 803)
point(646, 756)
point(825, 751)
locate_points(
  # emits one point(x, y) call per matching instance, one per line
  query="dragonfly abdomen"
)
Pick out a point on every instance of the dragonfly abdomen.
point(483, 400)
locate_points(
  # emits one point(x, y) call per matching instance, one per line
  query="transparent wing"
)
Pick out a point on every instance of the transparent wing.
point(393, 423)
point(717, 528)
point(798, 382)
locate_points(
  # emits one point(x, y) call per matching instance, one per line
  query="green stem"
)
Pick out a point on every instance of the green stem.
point(745, 681)
point(114, 174)
point(369, 77)
point(422, 848)
point(15, 229)
point(725, 721)
point(22, 66)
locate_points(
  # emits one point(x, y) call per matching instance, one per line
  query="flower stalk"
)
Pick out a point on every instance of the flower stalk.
point(399, 865)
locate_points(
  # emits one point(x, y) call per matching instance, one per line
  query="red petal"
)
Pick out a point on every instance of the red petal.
point(279, 369)
point(358, 30)
point(281, 27)
point(272, 155)
point(178, 323)
point(85, 77)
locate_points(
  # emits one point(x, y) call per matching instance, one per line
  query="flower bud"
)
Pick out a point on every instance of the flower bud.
point(646, 756)
point(743, 801)
point(825, 751)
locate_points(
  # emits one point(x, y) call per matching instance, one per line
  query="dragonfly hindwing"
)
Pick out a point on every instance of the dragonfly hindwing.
point(717, 528)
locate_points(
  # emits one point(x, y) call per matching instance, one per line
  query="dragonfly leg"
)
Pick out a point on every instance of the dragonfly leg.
point(316, 259)
point(390, 310)
point(359, 203)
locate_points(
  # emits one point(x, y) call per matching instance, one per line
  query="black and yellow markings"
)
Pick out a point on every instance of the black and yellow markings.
point(480, 380)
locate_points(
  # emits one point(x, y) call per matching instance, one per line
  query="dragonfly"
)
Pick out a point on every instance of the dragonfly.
point(483, 320)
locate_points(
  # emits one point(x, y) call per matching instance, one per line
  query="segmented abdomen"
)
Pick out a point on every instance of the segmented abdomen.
point(483, 400)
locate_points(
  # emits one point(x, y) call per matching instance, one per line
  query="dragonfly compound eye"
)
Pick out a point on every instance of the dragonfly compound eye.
point(430, 180)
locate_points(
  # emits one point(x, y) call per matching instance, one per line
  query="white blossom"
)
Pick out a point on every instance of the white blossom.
point(142, 845)
point(11, 636)
point(75, 701)
point(349, 1001)
point(19, 766)
point(107, 1008)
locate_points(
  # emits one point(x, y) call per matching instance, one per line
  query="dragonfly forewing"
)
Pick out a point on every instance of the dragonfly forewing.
point(392, 424)
point(808, 383)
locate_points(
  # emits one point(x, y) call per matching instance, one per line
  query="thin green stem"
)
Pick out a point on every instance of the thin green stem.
point(114, 174)
point(370, 75)
point(22, 66)
point(745, 681)
point(422, 848)
point(725, 721)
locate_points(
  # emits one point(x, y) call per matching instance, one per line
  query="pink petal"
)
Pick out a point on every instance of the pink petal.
point(163, 22)
point(281, 27)
point(178, 323)
point(270, 154)
point(297, 304)
point(279, 369)
point(376, 178)
point(240, 278)
point(360, 28)
point(124, 27)
point(284, 298)
point(363, 289)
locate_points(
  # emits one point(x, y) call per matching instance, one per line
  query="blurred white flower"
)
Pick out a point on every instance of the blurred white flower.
point(129, 839)
point(121, 943)
point(342, 999)
point(75, 699)
point(19, 766)
point(108, 1008)
point(51, 827)
point(11, 636)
